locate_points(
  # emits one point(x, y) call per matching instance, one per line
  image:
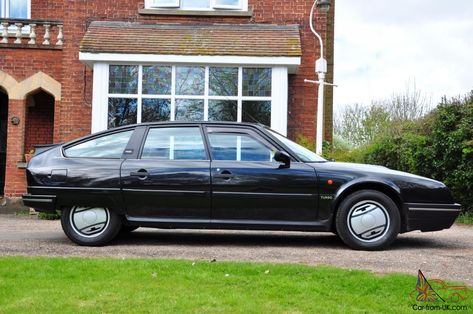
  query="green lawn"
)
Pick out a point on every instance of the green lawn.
point(466, 218)
point(65, 285)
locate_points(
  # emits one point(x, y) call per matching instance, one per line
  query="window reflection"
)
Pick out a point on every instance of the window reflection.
point(257, 112)
point(190, 81)
point(189, 110)
point(154, 110)
point(121, 111)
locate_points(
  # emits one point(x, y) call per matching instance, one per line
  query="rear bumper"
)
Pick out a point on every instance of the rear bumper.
point(431, 217)
point(41, 203)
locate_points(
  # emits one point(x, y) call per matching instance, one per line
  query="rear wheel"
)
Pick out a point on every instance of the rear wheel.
point(92, 226)
point(368, 220)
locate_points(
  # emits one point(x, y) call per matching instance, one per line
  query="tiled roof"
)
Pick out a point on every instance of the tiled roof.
point(204, 40)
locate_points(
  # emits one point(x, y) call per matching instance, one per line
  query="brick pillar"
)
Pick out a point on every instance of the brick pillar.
point(15, 180)
point(56, 130)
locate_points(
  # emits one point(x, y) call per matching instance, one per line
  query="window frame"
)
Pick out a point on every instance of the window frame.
point(96, 136)
point(5, 4)
point(213, 6)
point(177, 4)
point(174, 96)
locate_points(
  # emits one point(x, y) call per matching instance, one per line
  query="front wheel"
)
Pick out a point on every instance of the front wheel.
point(368, 220)
point(91, 226)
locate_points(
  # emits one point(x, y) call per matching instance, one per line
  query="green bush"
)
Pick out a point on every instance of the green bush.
point(450, 147)
point(50, 216)
point(439, 146)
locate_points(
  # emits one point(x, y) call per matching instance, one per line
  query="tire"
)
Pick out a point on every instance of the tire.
point(127, 229)
point(90, 226)
point(368, 220)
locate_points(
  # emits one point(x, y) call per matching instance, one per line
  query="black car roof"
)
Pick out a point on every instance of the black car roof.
point(220, 123)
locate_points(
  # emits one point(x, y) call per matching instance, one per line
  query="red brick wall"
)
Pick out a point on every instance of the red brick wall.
point(72, 115)
point(39, 121)
point(302, 96)
point(15, 183)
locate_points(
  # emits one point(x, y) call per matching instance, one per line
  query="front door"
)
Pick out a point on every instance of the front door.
point(247, 184)
point(170, 181)
point(3, 139)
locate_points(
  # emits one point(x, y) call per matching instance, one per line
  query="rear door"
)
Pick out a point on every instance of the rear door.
point(170, 180)
point(247, 184)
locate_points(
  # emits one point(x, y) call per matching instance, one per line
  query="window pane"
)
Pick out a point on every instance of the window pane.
point(190, 81)
point(195, 4)
point(154, 110)
point(223, 110)
point(109, 146)
point(223, 81)
point(123, 79)
point(18, 9)
point(257, 112)
point(257, 82)
point(174, 144)
point(189, 109)
point(121, 111)
point(238, 147)
point(157, 80)
point(164, 3)
point(231, 3)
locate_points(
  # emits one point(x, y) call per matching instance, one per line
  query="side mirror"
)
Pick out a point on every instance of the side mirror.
point(283, 158)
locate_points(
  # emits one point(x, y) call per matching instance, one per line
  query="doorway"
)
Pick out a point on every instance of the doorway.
point(3, 139)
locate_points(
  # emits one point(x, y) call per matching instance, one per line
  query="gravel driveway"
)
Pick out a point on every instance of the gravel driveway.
point(446, 254)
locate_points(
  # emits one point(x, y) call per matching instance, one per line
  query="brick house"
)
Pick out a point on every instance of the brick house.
point(69, 68)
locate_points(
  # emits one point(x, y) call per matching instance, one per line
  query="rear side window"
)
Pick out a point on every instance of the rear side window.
point(108, 146)
point(180, 143)
point(239, 147)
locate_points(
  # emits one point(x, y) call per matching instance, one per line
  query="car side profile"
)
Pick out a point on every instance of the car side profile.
point(217, 175)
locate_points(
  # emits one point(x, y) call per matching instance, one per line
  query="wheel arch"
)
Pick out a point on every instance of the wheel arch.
point(387, 188)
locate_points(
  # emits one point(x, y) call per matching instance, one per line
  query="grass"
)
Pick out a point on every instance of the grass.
point(466, 218)
point(63, 285)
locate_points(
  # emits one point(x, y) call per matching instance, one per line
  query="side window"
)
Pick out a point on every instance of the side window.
point(238, 147)
point(108, 146)
point(174, 144)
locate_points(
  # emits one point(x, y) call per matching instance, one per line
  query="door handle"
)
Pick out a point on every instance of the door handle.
point(225, 174)
point(142, 174)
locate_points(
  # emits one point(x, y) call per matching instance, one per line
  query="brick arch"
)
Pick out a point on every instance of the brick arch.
point(8, 83)
point(35, 82)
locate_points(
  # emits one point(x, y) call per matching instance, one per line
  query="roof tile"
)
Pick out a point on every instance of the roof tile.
point(183, 39)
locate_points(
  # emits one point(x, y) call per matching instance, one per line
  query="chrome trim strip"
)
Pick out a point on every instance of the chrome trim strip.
point(38, 200)
point(166, 191)
point(265, 194)
point(434, 209)
point(166, 220)
point(224, 221)
point(72, 188)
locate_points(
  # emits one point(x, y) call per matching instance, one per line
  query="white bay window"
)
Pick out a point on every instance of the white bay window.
point(127, 94)
point(150, 93)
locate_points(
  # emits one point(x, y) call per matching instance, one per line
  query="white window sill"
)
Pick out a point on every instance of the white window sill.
point(234, 13)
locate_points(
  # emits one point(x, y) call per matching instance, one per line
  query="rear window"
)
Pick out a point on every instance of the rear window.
point(109, 146)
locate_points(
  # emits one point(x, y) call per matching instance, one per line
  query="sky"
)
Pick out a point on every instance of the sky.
point(381, 46)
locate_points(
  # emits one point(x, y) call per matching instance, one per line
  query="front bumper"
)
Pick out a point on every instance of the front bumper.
point(430, 216)
point(41, 203)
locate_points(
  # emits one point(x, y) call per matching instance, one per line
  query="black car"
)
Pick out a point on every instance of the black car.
point(225, 176)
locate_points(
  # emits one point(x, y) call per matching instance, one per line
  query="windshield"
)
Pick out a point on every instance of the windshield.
point(303, 153)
